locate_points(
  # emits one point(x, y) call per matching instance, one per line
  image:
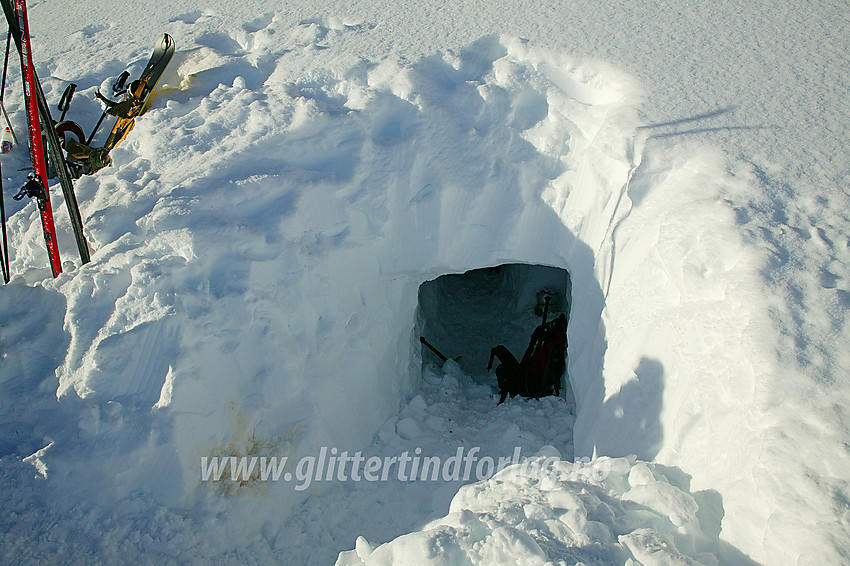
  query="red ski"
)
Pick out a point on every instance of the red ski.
point(37, 185)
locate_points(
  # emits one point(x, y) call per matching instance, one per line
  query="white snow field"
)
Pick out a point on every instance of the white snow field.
point(261, 242)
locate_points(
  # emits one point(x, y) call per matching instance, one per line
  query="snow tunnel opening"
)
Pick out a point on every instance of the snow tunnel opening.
point(464, 315)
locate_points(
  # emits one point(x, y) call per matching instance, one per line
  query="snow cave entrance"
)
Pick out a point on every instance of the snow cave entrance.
point(466, 314)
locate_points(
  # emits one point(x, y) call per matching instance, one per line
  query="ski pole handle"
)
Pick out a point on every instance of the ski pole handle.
point(546, 307)
point(65, 101)
point(118, 87)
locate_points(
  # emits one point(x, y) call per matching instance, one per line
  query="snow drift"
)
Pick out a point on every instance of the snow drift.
point(261, 240)
point(547, 510)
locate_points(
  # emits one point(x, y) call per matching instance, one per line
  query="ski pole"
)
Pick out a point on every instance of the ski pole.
point(433, 349)
point(3, 86)
point(4, 249)
point(96, 128)
point(65, 102)
point(6, 62)
point(117, 88)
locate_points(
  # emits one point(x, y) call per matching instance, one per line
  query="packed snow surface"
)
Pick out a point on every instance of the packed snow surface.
point(261, 242)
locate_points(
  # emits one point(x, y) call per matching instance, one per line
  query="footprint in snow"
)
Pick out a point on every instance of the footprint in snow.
point(259, 23)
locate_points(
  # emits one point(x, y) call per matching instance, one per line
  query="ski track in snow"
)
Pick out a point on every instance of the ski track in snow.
point(284, 195)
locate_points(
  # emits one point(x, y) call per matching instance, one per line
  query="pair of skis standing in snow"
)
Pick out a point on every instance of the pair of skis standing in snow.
point(66, 157)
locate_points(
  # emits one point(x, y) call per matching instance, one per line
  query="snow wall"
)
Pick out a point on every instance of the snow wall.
point(261, 241)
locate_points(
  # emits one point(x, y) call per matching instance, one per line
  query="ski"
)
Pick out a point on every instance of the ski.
point(90, 159)
point(54, 146)
point(138, 95)
point(37, 185)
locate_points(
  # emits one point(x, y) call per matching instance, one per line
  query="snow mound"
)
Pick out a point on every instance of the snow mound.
point(283, 214)
point(550, 511)
point(260, 241)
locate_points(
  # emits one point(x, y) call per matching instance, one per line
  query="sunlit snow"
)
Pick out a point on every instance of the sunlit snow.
point(272, 241)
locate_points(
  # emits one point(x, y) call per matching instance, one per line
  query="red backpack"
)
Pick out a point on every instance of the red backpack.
point(546, 364)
